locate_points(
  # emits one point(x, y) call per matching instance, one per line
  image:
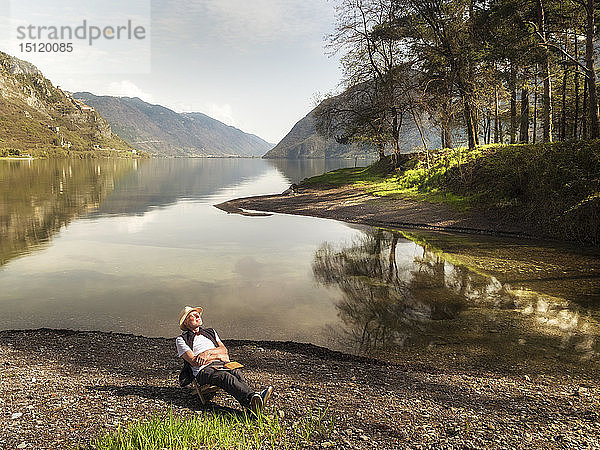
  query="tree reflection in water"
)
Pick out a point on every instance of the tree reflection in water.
point(383, 306)
point(391, 298)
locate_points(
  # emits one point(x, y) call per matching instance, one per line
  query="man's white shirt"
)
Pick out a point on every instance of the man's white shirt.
point(201, 343)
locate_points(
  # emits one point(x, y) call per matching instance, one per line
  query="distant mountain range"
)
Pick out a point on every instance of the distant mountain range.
point(37, 117)
point(303, 141)
point(164, 132)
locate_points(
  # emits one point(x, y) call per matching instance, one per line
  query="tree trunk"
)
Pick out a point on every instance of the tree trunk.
point(381, 151)
point(513, 105)
point(496, 118)
point(447, 137)
point(547, 94)
point(396, 131)
point(419, 124)
point(563, 112)
point(576, 87)
point(584, 119)
point(524, 131)
point(535, 103)
point(470, 123)
point(591, 74)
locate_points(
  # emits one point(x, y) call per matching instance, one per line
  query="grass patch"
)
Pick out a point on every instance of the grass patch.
point(376, 172)
point(217, 430)
point(421, 177)
point(552, 188)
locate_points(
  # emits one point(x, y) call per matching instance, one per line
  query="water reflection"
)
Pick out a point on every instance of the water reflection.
point(163, 182)
point(396, 293)
point(148, 240)
point(38, 198)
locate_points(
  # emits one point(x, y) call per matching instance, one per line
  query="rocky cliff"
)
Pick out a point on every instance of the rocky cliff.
point(37, 117)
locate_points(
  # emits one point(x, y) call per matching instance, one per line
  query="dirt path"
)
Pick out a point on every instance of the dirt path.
point(351, 204)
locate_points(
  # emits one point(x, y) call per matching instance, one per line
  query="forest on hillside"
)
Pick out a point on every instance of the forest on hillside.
point(482, 71)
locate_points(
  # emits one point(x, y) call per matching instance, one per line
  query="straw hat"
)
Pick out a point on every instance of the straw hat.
point(184, 313)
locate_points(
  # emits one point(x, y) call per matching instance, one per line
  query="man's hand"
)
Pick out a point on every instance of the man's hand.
point(214, 354)
point(203, 358)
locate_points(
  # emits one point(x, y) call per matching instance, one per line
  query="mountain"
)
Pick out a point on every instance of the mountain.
point(38, 118)
point(161, 131)
point(303, 141)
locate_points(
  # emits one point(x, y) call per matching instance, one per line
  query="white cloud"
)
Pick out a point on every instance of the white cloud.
point(241, 24)
point(126, 88)
point(223, 112)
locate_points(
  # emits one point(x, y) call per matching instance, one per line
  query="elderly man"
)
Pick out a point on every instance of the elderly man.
point(206, 359)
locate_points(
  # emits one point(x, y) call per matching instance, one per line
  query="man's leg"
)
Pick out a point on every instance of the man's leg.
point(231, 381)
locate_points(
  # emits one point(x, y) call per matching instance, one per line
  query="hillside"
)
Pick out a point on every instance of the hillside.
point(40, 119)
point(164, 132)
point(303, 141)
point(548, 190)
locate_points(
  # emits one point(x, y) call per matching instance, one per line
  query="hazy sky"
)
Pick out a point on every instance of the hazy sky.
point(253, 64)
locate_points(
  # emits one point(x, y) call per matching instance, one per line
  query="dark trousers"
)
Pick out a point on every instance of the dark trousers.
point(231, 381)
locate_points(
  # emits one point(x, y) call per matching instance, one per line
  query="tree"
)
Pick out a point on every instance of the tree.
point(374, 67)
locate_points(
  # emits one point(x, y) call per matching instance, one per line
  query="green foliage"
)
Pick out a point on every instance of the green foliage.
point(552, 188)
point(219, 430)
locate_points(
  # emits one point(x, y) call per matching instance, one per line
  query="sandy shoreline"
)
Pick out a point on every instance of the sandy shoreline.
point(61, 388)
point(353, 205)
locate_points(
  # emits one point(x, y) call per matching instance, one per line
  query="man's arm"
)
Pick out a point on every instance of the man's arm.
point(189, 357)
point(219, 353)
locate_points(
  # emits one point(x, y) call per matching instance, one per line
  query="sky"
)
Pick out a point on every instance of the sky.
point(257, 65)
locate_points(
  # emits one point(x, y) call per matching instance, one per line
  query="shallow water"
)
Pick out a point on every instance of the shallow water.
point(122, 245)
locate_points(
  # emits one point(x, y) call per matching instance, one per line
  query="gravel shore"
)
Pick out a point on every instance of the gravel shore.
point(61, 388)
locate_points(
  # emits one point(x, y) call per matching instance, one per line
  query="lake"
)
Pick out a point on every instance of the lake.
point(122, 245)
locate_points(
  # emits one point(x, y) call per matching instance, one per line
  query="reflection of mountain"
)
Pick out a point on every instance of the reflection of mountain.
point(38, 198)
point(162, 182)
point(421, 298)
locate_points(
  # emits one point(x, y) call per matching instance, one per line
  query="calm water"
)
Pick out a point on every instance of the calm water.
point(123, 245)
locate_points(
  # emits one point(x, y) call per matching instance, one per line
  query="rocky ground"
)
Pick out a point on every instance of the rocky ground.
point(60, 389)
